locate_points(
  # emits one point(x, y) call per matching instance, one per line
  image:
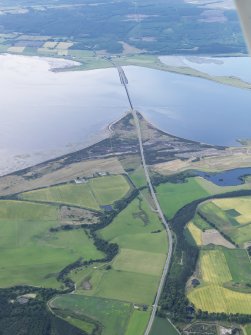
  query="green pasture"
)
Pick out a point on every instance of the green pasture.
point(173, 197)
point(113, 315)
point(128, 286)
point(138, 177)
point(138, 323)
point(137, 227)
point(247, 330)
point(30, 253)
point(93, 194)
point(139, 262)
point(163, 327)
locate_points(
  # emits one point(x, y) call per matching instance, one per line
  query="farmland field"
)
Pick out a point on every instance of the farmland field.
point(163, 327)
point(172, 196)
point(113, 315)
point(214, 267)
point(195, 233)
point(137, 323)
point(200, 223)
point(230, 216)
point(37, 254)
point(216, 299)
point(247, 330)
point(143, 246)
point(131, 260)
point(225, 275)
point(128, 286)
point(93, 194)
point(138, 228)
point(138, 177)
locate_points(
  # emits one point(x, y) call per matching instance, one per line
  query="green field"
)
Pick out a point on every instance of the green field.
point(135, 272)
point(230, 216)
point(225, 276)
point(131, 261)
point(30, 253)
point(138, 228)
point(173, 197)
point(127, 286)
point(200, 223)
point(163, 327)
point(239, 265)
point(138, 177)
point(247, 330)
point(93, 194)
point(113, 315)
point(138, 323)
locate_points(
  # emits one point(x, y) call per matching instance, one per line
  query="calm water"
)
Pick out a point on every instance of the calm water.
point(226, 178)
point(215, 66)
point(45, 114)
point(190, 107)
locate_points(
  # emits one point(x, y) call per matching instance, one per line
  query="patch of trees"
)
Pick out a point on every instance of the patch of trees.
point(178, 178)
point(249, 251)
point(173, 300)
point(33, 317)
point(238, 318)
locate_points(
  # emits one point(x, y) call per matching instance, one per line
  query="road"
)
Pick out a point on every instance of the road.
point(124, 82)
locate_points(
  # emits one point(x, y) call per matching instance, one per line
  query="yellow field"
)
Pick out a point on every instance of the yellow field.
point(64, 45)
point(241, 205)
point(214, 267)
point(50, 45)
point(216, 299)
point(195, 232)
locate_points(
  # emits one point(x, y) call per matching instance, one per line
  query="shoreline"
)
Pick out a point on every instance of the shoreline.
point(145, 61)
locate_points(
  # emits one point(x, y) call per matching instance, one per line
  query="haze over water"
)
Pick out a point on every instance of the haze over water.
point(45, 114)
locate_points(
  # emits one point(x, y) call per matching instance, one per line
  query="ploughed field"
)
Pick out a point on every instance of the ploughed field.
point(222, 280)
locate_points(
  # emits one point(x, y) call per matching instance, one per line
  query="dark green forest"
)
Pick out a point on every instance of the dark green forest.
point(156, 27)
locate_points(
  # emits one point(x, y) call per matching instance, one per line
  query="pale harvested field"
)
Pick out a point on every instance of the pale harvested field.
point(212, 236)
point(50, 45)
point(33, 38)
point(16, 49)
point(51, 174)
point(64, 45)
point(229, 159)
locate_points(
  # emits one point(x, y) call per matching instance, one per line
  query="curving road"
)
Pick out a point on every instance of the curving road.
point(124, 82)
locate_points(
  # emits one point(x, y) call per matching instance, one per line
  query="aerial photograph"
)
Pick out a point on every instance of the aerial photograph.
point(125, 170)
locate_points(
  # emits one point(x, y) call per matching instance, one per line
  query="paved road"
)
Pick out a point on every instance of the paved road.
point(124, 82)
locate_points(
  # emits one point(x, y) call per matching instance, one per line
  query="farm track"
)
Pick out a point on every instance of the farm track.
point(124, 82)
